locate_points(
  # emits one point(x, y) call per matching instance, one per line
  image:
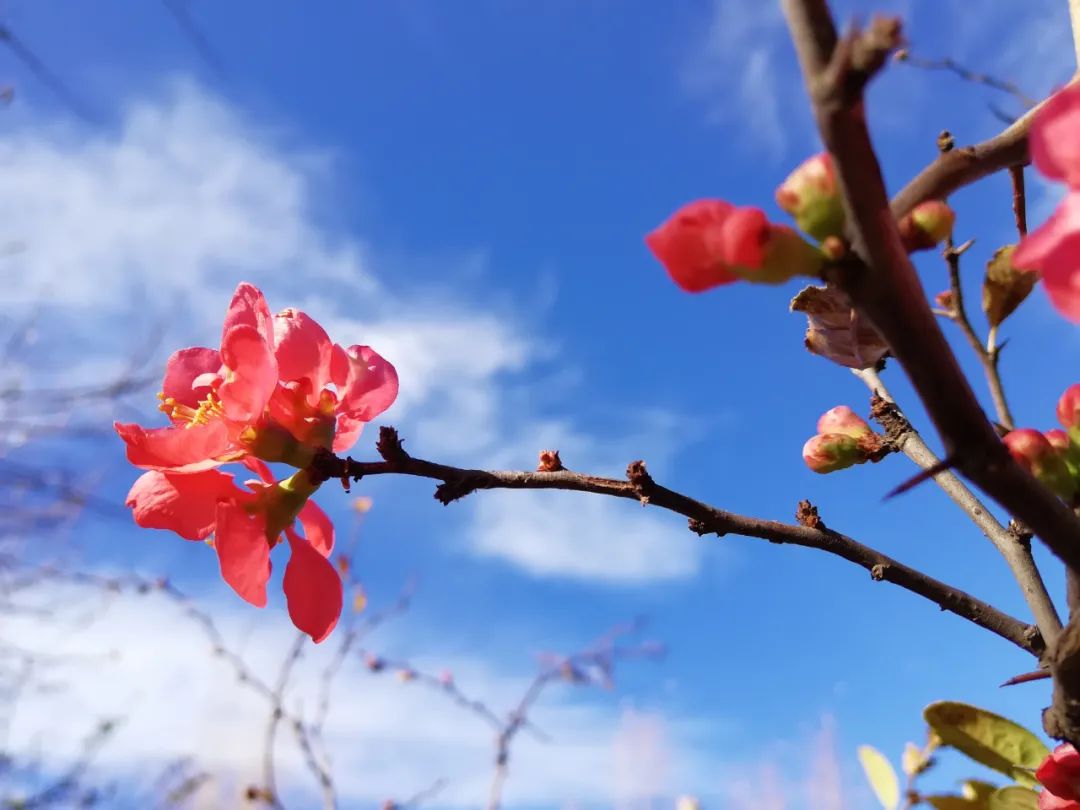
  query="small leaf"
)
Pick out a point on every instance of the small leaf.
point(987, 738)
point(1005, 287)
point(977, 789)
point(836, 331)
point(943, 802)
point(1013, 798)
point(912, 760)
point(881, 776)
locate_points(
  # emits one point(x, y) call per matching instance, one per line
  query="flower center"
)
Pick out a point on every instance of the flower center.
point(209, 408)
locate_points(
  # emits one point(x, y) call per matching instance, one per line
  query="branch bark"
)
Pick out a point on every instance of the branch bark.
point(882, 283)
point(703, 518)
point(1017, 554)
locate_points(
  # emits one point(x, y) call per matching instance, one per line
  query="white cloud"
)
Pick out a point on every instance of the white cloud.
point(584, 536)
point(738, 71)
point(161, 218)
point(387, 739)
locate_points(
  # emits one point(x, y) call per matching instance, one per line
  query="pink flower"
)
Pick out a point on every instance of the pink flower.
point(1053, 249)
point(708, 243)
point(266, 392)
point(1060, 775)
point(246, 525)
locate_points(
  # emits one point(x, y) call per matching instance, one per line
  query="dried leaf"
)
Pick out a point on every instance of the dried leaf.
point(945, 802)
point(836, 331)
point(1005, 287)
point(881, 776)
point(912, 760)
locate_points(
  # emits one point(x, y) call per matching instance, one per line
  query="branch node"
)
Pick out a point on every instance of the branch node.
point(877, 573)
point(807, 515)
point(550, 461)
point(389, 445)
point(640, 480)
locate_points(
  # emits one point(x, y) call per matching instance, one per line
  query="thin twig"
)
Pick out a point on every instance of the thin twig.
point(1019, 199)
point(1016, 552)
point(973, 76)
point(704, 519)
point(989, 354)
point(45, 75)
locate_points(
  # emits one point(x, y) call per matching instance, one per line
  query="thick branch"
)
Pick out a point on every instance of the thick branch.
point(704, 519)
point(883, 284)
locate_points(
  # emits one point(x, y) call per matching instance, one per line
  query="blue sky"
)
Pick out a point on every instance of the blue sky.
point(466, 188)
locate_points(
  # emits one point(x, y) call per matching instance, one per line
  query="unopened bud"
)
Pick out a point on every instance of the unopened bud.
point(946, 300)
point(1068, 408)
point(811, 196)
point(929, 224)
point(1035, 453)
point(829, 452)
point(842, 419)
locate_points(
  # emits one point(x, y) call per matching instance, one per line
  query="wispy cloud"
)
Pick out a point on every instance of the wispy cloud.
point(743, 71)
point(161, 218)
point(388, 739)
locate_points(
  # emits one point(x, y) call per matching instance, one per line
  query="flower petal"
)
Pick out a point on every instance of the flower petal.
point(303, 350)
point(248, 308)
point(688, 245)
point(370, 385)
point(1061, 277)
point(318, 528)
point(313, 589)
point(252, 374)
point(183, 503)
point(177, 449)
point(243, 551)
point(743, 236)
point(185, 371)
point(346, 433)
point(1055, 147)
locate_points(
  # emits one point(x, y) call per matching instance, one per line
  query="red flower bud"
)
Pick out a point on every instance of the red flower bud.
point(710, 242)
point(928, 225)
point(842, 419)
point(810, 195)
point(1068, 407)
point(829, 452)
point(1035, 453)
point(1060, 775)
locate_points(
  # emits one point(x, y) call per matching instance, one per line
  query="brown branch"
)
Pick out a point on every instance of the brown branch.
point(1013, 546)
point(639, 486)
point(881, 282)
point(1019, 199)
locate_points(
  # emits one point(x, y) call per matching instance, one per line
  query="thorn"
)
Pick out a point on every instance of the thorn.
point(1027, 677)
point(925, 475)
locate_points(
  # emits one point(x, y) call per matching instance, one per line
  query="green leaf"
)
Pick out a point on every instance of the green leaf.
point(943, 802)
point(881, 776)
point(977, 789)
point(1013, 798)
point(987, 738)
point(1005, 287)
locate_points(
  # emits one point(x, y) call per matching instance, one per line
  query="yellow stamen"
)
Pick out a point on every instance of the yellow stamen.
point(209, 408)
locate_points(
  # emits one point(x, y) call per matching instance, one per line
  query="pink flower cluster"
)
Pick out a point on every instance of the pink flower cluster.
point(1054, 456)
point(276, 390)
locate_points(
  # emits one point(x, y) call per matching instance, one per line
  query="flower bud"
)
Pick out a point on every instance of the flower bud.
point(842, 419)
point(810, 195)
point(1059, 774)
point(710, 242)
point(829, 452)
point(1068, 408)
point(1036, 454)
point(927, 225)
